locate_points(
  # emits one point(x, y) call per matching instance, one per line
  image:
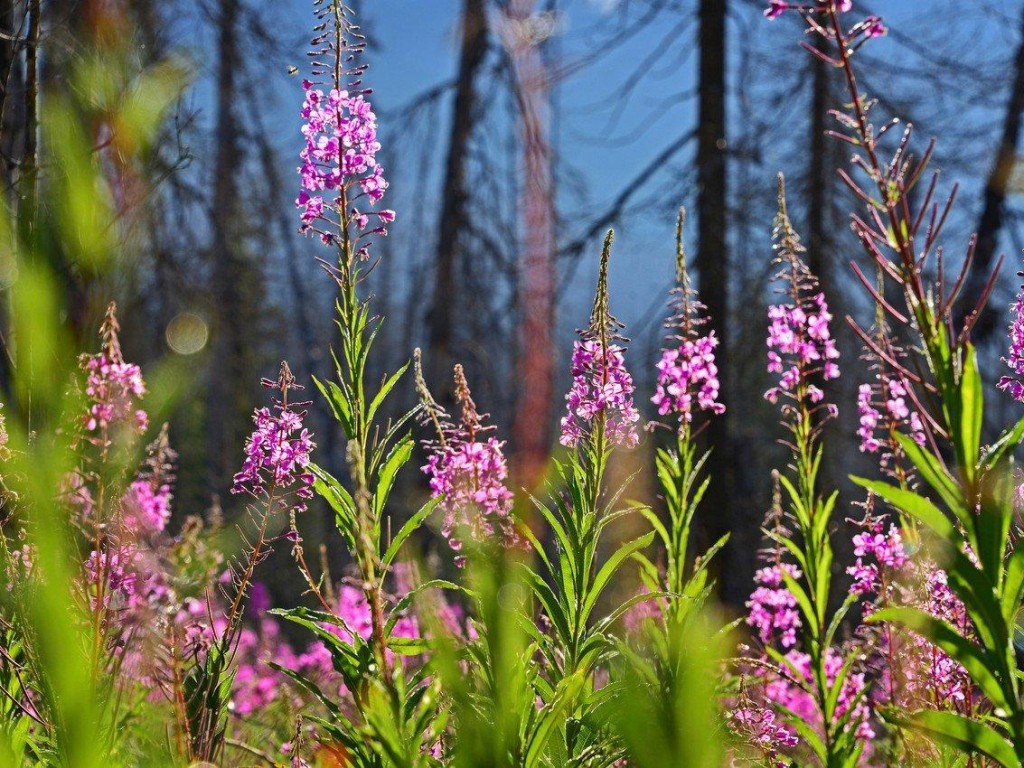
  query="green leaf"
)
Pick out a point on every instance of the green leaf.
point(551, 715)
point(340, 406)
point(1007, 441)
point(930, 468)
point(339, 499)
point(382, 393)
point(408, 528)
point(960, 732)
point(972, 393)
point(802, 599)
point(1013, 584)
point(607, 570)
point(918, 507)
point(396, 459)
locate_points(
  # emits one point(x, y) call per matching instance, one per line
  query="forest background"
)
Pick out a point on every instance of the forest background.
point(515, 132)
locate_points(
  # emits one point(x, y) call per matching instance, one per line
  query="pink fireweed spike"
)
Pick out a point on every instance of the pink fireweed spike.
point(112, 386)
point(800, 345)
point(277, 452)
point(467, 471)
point(602, 387)
point(687, 372)
point(1014, 385)
point(341, 180)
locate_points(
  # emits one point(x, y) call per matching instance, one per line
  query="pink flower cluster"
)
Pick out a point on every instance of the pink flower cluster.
point(937, 677)
point(113, 386)
point(874, 549)
point(772, 607)
point(277, 455)
point(112, 578)
point(686, 374)
point(793, 696)
point(1015, 359)
point(340, 156)
point(799, 345)
point(470, 478)
point(871, 26)
point(146, 507)
point(892, 413)
point(601, 385)
point(763, 730)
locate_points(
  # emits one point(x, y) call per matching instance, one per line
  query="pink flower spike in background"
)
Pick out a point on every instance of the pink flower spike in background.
point(277, 453)
point(1014, 385)
point(601, 387)
point(468, 472)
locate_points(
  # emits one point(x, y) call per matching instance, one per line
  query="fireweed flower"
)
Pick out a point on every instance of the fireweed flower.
point(793, 696)
point(602, 387)
point(146, 507)
point(761, 728)
point(687, 373)
point(1013, 385)
point(688, 377)
point(875, 549)
point(800, 345)
point(772, 609)
point(341, 181)
point(277, 452)
point(778, 7)
point(883, 410)
point(467, 471)
point(112, 386)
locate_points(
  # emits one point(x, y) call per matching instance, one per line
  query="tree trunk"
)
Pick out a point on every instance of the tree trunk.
point(819, 175)
point(226, 345)
point(454, 197)
point(713, 270)
point(992, 218)
point(531, 428)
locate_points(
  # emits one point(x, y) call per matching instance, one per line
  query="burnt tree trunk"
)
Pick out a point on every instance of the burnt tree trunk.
point(226, 347)
point(712, 264)
point(990, 224)
point(454, 196)
point(531, 428)
point(819, 176)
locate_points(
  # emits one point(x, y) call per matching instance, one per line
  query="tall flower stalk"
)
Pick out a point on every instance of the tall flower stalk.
point(969, 528)
point(687, 390)
point(600, 416)
point(341, 186)
point(806, 677)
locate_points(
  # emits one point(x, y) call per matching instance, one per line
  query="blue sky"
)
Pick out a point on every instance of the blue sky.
point(605, 140)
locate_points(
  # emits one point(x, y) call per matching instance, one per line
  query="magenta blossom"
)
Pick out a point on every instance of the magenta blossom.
point(688, 379)
point(469, 474)
point(875, 549)
point(1014, 385)
point(883, 409)
point(601, 386)
point(146, 508)
point(277, 452)
point(800, 344)
point(795, 698)
point(772, 607)
point(341, 180)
